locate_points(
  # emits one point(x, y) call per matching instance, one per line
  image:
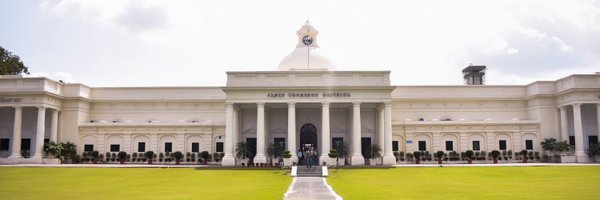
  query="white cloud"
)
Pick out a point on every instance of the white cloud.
point(562, 45)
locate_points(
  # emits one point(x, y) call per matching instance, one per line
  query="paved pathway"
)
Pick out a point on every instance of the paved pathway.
point(304, 188)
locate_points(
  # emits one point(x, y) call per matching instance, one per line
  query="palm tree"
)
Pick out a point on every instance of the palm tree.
point(375, 151)
point(69, 151)
point(242, 150)
point(342, 149)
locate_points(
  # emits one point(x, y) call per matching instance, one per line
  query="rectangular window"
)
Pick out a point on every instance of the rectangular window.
point(25, 144)
point(4, 142)
point(115, 148)
point(502, 145)
point(195, 147)
point(88, 147)
point(168, 147)
point(219, 147)
point(141, 147)
point(476, 145)
point(336, 141)
point(592, 140)
point(572, 140)
point(394, 145)
point(280, 142)
point(422, 145)
point(449, 146)
point(529, 144)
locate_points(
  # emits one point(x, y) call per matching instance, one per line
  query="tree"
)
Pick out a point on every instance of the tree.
point(11, 64)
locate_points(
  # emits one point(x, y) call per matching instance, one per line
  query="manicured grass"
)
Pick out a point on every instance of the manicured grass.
point(564, 182)
point(138, 183)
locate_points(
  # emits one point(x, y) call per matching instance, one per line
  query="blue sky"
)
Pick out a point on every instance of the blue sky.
point(193, 43)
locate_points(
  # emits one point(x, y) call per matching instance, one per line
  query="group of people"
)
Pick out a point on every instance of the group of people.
point(308, 156)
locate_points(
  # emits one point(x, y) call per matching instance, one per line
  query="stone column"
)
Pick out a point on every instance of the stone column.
point(325, 133)
point(260, 134)
point(564, 127)
point(39, 139)
point(357, 158)
point(291, 143)
point(388, 156)
point(579, 150)
point(598, 118)
point(236, 129)
point(228, 158)
point(16, 139)
point(54, 126)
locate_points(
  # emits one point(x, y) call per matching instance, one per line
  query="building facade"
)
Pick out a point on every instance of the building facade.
point(306, 102)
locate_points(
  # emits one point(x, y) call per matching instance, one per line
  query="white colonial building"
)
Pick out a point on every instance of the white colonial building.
point(305, 102)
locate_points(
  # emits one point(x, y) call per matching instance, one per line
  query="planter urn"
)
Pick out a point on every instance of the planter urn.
point(495, 161)
point(149, 161)
point(470, 161)
point(440, 161)
point(177, 162)
point(417, 161)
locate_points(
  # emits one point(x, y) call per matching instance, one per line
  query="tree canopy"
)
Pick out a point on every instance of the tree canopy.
point(11, 64)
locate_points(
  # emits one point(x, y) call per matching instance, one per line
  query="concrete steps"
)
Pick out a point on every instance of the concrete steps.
point(304, 171)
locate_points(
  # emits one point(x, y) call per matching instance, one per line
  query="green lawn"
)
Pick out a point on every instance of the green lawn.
point(570, 182)
point(146, 183)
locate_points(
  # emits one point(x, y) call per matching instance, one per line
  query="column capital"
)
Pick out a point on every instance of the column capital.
point(356, 103)
point(291, 103)
point(576, 105)
point(260, 103)
point(41, 107)
point(325, 103)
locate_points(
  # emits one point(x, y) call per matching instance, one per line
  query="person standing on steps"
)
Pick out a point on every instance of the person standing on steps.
point(300, 156)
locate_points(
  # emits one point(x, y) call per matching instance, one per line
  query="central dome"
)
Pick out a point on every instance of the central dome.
point(306, 55)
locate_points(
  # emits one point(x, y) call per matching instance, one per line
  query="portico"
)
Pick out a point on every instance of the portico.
point(32, 126)
point(334, 108)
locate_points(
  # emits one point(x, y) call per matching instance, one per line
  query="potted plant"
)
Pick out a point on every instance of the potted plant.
point(375, 153)
point(343, 151)
point(333, 156)
point(149, 155)
point(401, 155)
point(242, 152)
point(524, 155)
point(161, 157)
point(274, 150)
point(121, 156)
point(510, 154)
point(53, 149)
point(95, 155)
point(594, 151)
point(188, 156)
point(439, 155)
point(69, 151)
point(469, 155)
point(177, 156)
point(287, 155)
point(409, 156)
point(205, 156)
point(495, 154)
point(417, 155)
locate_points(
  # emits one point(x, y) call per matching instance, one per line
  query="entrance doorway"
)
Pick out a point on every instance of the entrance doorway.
point(308, 136)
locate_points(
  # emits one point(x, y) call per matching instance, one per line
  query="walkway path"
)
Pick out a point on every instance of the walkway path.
point(304, 188)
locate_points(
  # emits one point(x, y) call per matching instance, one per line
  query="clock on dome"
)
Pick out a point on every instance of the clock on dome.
point(307, 40)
